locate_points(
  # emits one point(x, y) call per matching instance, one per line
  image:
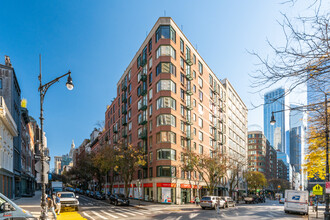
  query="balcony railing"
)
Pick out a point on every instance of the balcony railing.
point(123, 99)
point(143, 121)
point(124, 87)
point(189, 106)
point(143, 92)
point(124, 133)
point(143, 134)
point(115, 130)
point(188, 60)
point(143, 107)
point(124, 121)
point(144, 77)
point(189, 76)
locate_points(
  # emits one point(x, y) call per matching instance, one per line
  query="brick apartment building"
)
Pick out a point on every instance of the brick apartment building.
point(169, 101)
point(261, 155)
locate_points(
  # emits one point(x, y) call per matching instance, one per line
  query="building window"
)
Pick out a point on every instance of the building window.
point(200, 82)
point(150, 110)
point(181, 45)
point(165, 50)
point(150, 62)
point(150, 125)
point(182, 110)
point(194, 116)
point(144, 56)
point(194, 74)
point(182, 174)
point(167, 171)
point(181, 63)
point(129, 88)
point(165, 32)
point(200, 67)
point(182, 94)
point(166, 154)
point(166, 85)
point(200, 122)
point(182, 78)
point(129, 75)
point(138, 61)
point(200, 135)
point(165, 68)
point(200, 95)
point(166, 102)
point(182, 126)
point(150, 94)
point(201, 149)
point(166, 137)
point(194, 58)
point(150, 45)
point(130, 126)
point(150, 171)
point(166, 119)
point(130, 100)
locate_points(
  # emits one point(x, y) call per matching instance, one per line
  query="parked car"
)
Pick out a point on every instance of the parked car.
point(119, 199)
point(228, 201)
point(69, 199)
point(251, 199)
point(210, 202)
point(87, 192)
point(282, 200)
point(91, 194)
point(98, 195)
point(9, 210)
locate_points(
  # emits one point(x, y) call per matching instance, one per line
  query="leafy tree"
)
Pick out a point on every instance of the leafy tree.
point(255, 180)
point(274, 183)
point(316, 156)
point(128, 161)
point(104, 160)
point(212, 168)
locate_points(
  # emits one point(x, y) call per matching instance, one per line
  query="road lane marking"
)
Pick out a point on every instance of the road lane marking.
point(193, 215)
point(113, 216)
point(95, 213)
point(178, 218)
point(85, 214)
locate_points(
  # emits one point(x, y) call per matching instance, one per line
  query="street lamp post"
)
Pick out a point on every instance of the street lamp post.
point(42, 90)
point(273, 121)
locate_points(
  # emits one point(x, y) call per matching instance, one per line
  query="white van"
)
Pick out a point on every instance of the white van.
point(296, 201)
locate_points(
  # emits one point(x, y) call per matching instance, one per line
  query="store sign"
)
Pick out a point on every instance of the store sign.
point(327, 187)
point(185, 186)
point(195, 187)
point(147, 185)
point(115, 186)
point(166, 185)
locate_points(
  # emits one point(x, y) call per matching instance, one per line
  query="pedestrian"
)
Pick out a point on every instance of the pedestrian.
point(58, 203)
point(51, 207)
point(218, 205)
point(197, 200)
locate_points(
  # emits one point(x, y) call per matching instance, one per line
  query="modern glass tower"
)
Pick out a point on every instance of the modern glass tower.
point(276, 134)
point(279, 133)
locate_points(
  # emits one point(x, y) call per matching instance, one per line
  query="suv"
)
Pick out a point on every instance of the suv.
point(228, 201)
point(119, 199)
point(9, 210)
point(68, 199)
point(211, 201)
point(98, 195)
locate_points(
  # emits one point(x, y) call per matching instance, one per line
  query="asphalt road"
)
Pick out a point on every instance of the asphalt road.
point(93, 209)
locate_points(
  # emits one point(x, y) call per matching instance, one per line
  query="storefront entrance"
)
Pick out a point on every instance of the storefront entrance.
point(185, 196)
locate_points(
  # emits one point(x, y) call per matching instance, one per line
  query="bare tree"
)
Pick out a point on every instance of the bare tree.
point(304, 57)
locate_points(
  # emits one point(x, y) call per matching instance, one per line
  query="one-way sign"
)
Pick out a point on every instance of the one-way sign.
point(38, 169)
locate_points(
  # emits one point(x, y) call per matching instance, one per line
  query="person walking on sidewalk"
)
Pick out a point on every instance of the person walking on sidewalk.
point(218, 205)
point(51, 206)
point(58, 203)
point(197, 201)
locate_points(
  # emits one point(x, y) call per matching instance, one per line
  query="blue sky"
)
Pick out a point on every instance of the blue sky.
point(96, 40)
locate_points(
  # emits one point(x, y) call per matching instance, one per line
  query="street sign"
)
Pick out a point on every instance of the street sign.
point(327, 187)
point(318, 190)
point(39, 178)
point(38, 167)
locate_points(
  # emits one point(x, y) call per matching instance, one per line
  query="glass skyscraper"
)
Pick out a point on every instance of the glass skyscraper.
point(279, 133)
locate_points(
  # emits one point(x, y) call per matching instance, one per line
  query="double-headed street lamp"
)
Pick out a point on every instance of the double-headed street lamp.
point(42, 90)
point(273, 121)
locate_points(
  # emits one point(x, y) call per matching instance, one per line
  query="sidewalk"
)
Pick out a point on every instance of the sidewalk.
point(319, 214)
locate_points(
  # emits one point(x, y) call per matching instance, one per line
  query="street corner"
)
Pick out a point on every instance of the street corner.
point(70, 216)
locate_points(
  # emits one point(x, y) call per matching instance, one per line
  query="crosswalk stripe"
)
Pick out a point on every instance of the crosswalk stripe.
point(146, 212)
point(85, 214)
point(118, 213)
point(95, 213)
point(135, 212)
point(113, 216)
point(126, 212)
